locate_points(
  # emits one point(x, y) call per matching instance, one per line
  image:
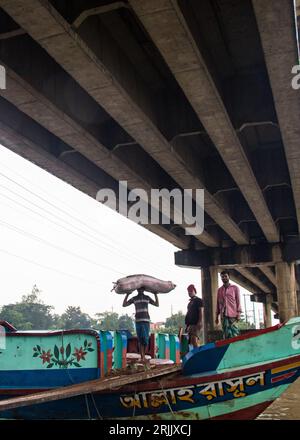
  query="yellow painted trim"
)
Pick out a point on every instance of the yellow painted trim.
point(285, 367)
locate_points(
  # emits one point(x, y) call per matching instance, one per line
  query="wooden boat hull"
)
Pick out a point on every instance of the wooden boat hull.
point(239, 394)
point(217, 381)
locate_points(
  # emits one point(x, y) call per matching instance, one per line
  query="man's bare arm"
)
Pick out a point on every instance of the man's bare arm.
point(156, 302)
point(126, 302)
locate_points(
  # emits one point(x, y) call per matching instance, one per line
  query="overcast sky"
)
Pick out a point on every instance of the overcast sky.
point(74, 248)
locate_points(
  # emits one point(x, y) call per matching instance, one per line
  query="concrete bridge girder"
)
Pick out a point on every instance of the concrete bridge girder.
point(83, 64)
point(168, 29)
point(276, 23)
point(32, 103)
point(33, 152)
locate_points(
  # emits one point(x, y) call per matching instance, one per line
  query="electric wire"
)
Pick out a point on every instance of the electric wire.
point(73, 254)
point(110, 248)
point(35, 263)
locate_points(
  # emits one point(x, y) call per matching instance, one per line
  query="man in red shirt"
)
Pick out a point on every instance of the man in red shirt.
point(228, 306)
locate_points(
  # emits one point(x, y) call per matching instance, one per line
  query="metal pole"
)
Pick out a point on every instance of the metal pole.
point(245, 308)
point(254, 317)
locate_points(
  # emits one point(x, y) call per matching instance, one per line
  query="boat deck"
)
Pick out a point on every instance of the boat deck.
point(286, 407)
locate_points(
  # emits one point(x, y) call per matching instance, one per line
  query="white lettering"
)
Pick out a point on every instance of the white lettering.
point(296, 79)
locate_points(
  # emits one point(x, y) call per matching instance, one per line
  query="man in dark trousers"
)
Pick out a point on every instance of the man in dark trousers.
point(228, 306)
point(194, 318)
point(142, 318)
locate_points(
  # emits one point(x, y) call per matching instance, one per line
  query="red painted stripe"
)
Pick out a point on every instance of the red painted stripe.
point(179, 380)
point(283, 376)
point(248, 335)
point(249, 413)
point(8, 326)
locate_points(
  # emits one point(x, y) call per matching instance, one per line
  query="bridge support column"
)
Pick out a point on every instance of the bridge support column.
point(297, 275)
point(286, 290)
point(209, 280)
point(268, 310)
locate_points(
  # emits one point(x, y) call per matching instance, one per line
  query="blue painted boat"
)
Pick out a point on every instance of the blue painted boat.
point(230, 379)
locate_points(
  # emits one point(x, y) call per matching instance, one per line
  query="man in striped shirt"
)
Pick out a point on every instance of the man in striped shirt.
point(142, 318)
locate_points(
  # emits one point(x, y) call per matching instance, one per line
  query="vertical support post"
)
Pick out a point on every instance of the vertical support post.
point(163, 346)
point(184, 345)
point(286, 290)
point(174, 349)
point(120, 349)
point(297, 276)
point(268, 310)
point(106, 347)
point(245, 307)
point(209, 281)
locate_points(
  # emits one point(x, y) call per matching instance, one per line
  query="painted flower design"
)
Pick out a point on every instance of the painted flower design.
point(80, 354)
point(46, 356)
point(63, 357)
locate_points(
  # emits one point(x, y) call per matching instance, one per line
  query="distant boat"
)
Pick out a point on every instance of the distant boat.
point(229, 379)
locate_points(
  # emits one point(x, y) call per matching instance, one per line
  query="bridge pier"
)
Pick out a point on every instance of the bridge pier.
point(297, 276)
point(286, 290)
point(244, 263)
point(209, 281)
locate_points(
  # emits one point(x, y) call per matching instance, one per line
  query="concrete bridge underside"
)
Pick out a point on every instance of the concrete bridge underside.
point(169, 94)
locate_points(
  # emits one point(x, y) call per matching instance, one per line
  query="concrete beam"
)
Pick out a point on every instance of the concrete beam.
point(98, 10)
point(12, 34)
point(57, 37)
point(29, 101)
point(238, 278)
point(167, 27)
point(276, 23)
point(267, 271)
point(238, 256)
point(28, 149)
point(249, 276)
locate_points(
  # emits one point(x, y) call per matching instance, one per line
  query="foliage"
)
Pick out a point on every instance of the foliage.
point(32, 314)
point(112, 321)
point(243, 325)
point(125, 322)
point(174, 322)
point(29, 313)
point(75, 318)
point(107, 320)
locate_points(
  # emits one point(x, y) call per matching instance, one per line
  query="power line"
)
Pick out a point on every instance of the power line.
point(111, 250)
point(49, 268)
point(61, 219)
point(47, 193)
point(51, 204)
point(73, 254)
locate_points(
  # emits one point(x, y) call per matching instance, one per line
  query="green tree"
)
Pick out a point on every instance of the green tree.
point(125, 322)
point(75, 318)
point(107, 321)
point(243, 325)
point(174, 322)
point(29, 313)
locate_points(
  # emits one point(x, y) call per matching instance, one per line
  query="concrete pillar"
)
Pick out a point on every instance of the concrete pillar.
point(268, 310)
point(297, 275)
point(209, 281)
point(286, 290)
